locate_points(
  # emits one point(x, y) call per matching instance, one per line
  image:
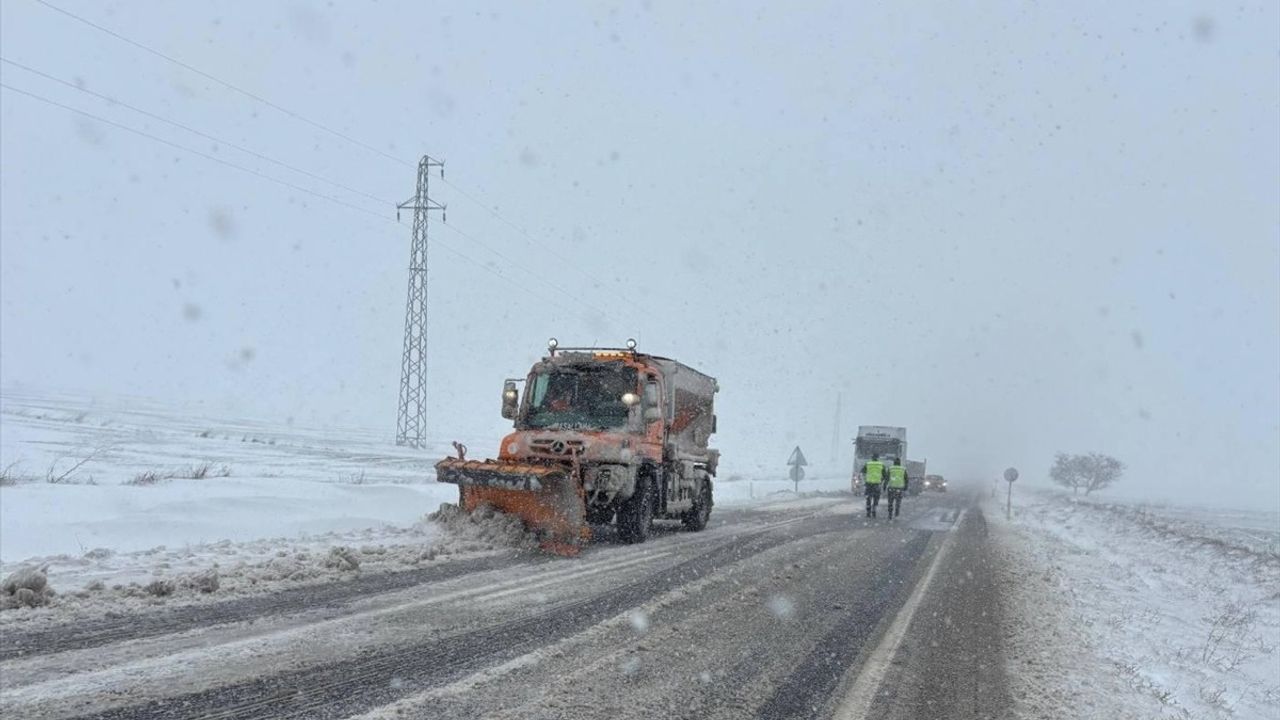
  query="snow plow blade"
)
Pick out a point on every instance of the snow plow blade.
point(546, 498)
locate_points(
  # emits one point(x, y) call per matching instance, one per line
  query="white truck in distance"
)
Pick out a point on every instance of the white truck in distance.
point(887, 441)
point(915, 476)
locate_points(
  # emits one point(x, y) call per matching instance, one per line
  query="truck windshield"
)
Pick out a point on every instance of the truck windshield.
point(587, 396)
point(886, 449)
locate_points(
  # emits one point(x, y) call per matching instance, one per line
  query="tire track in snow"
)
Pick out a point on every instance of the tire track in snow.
point(334, 597)
point(804, 693)
point(377, 678)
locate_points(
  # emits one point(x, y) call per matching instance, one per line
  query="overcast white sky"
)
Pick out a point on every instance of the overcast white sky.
point(1015, 228)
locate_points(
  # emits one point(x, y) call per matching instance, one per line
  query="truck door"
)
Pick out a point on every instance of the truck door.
point(654, 415)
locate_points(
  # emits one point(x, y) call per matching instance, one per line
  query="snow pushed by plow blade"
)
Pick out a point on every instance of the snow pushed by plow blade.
point(486, 526)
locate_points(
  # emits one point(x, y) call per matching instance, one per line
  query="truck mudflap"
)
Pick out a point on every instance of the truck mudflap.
point(547, 499)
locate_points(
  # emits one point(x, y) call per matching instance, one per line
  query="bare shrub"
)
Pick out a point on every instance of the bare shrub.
point(67, 477)
point(11, 475)
point(1212, 696)
point(1227, 643)
point(205, 470)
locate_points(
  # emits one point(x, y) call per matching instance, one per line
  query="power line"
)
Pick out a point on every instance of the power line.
point(453, 250)
point(297, 116)
point(184, 148)
point(566, 262)
point(278, 181)
point(259, 155)
point(224, 83)
point(499, 275)
point(504, 220)
point(194, 131)
point(532, 274)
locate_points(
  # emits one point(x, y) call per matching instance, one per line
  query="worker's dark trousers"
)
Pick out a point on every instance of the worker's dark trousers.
point(872, 492)
point(895, 502)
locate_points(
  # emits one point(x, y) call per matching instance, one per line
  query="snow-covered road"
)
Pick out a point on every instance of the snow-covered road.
point(769, 613)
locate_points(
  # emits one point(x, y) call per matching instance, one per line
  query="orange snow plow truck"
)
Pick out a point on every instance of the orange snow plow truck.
point(601, 436)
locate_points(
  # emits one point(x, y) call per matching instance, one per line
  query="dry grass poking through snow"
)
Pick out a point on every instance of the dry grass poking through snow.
point(195, 472)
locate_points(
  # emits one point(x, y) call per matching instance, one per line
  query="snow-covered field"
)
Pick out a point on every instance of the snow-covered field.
point(77, 479)
point(1124, 610)
point(115, 496)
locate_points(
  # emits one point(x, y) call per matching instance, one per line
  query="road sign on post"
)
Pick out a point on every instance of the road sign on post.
point(797, 463)
point(1010, 474)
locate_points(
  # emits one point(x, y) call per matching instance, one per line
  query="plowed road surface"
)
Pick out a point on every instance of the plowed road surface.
point(801, 611)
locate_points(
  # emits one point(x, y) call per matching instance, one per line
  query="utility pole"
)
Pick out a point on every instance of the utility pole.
point(412, 419)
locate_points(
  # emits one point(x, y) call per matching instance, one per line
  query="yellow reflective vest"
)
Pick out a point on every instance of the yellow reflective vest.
point(875, 473)
point(897, 477)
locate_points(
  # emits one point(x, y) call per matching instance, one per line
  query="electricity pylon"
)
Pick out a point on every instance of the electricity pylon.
point(412, 421)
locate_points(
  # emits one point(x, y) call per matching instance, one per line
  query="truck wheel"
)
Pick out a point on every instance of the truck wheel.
point(696, 518)
point(599, 516)
point(635, 517)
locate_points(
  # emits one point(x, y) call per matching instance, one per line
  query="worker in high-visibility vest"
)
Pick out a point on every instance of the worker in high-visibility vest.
point(872, 481)
point(897, 485)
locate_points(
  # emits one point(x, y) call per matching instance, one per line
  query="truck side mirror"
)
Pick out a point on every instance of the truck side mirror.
point(510, 400)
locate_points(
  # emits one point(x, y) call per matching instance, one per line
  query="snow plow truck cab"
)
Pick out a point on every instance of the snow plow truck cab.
point(601, 436)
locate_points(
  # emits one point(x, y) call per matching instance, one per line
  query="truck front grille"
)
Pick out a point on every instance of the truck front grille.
point(556, 446)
